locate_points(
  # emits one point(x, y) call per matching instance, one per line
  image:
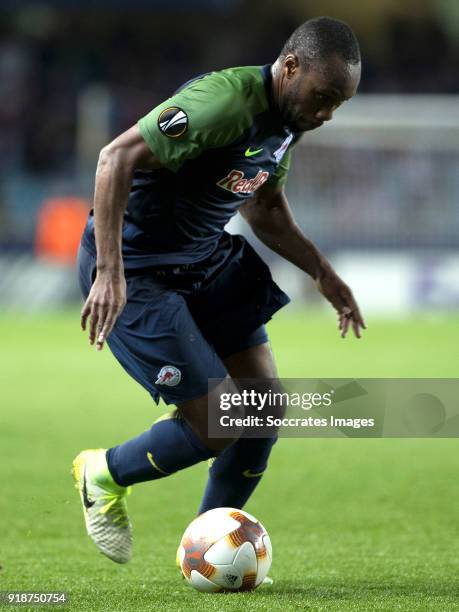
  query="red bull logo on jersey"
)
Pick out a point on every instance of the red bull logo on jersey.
point(169, 375)
point(236, 183)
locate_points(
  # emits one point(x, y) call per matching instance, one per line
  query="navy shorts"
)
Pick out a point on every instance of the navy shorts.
point(181, 321)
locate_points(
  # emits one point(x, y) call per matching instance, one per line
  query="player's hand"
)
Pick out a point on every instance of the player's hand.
point(340, 296)
point(105, 303)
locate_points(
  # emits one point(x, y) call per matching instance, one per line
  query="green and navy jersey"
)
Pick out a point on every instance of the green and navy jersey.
point(219, 138)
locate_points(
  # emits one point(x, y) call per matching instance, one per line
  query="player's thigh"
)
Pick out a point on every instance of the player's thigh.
point(254, 369)
point(160, 345)
point(254, 362)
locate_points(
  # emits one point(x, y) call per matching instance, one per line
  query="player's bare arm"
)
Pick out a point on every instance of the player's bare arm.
point(115, 168)
point(271, 220)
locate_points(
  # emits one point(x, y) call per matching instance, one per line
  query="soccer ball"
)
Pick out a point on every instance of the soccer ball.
point(225, 550)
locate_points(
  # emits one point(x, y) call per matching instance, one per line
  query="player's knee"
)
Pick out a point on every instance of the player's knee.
point(196, 413)
point(268, 398)
point(281, 398)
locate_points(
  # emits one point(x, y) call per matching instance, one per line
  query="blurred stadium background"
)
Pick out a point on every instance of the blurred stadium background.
point(377, 188)
point(364, 524)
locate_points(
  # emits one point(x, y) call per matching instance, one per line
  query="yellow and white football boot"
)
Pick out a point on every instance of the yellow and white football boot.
point(104, 505)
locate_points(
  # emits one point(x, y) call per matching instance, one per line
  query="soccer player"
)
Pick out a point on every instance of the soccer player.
point(179, 300)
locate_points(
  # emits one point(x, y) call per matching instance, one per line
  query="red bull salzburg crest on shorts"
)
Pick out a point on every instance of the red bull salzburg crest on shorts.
point(169, 375)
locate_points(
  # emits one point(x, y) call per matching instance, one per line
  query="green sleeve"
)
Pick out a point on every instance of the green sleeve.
point(279, 177)
point(210, 112)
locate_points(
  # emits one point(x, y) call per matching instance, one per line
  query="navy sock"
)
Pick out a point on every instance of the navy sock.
point(236, 472)
point(168, 446)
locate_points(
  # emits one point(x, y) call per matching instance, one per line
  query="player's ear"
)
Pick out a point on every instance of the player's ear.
point(291, 65)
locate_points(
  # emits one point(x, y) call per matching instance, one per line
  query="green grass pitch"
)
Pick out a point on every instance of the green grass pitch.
point(355, 524)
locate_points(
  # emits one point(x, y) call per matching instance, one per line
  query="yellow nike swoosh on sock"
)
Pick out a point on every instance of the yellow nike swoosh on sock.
point(250, 474)
point(151, 460)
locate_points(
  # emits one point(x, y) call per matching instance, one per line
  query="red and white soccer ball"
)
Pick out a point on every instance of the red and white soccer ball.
point(225, 550)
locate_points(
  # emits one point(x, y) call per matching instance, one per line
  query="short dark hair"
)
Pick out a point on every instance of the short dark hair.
point(319, 38)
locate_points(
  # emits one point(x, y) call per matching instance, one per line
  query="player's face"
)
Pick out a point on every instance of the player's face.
point(311, 95)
